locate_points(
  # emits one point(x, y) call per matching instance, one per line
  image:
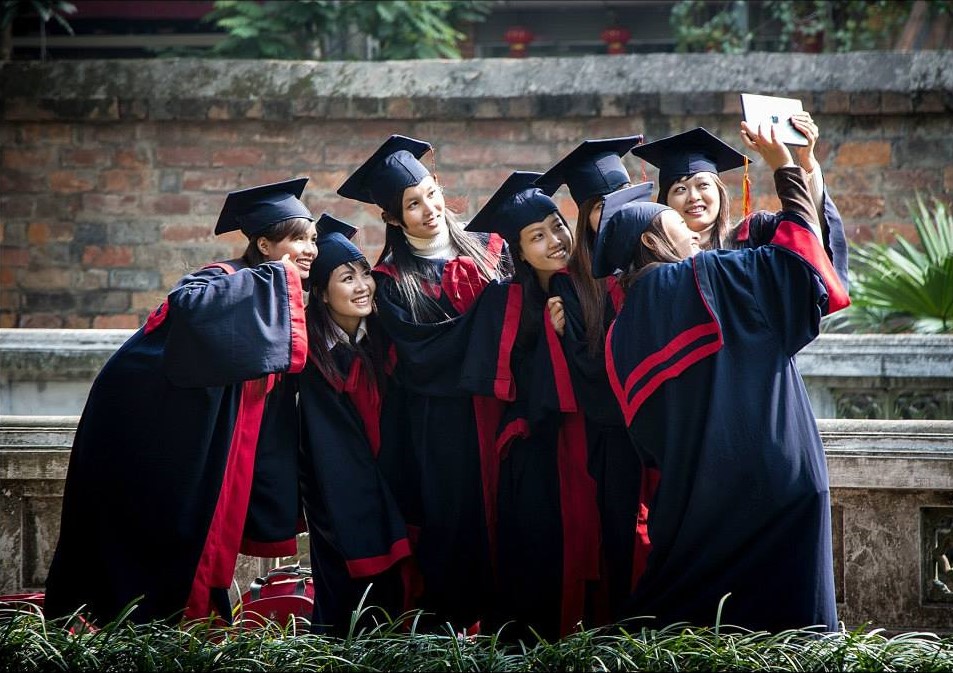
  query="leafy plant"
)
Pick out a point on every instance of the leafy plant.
point(312, 29)
point(906, 288)
point(709, 27)
point(44, 9)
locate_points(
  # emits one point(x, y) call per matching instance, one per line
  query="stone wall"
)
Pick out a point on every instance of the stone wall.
point(112, 172)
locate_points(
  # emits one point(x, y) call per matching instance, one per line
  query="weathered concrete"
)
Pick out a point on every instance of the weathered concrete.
point(889, 481)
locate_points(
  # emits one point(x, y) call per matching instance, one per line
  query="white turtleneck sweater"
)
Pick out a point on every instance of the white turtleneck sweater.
point(438, 247)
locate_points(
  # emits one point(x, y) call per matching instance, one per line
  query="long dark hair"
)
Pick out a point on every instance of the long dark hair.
point(275, 233)
point(591, 291)
point(644, 256)
point(371, 350)
point(719, 237)
point(411, 270)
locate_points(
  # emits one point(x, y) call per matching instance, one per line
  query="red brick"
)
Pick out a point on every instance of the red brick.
point(116, 322)
point(77, 322)
point(87, 157)
point(330, 180)
point(12, 207)
point(349, 156)
point(132, 158)
point(924, 179)
point(8, 320)
point(38, 233)
point(887, 232)
point(107, 256)
point(66, 182)
point(120, 180)
point(860, 206)
point(112, 134)
point(25, 109)
point(512, 131)
point(399, 108)
point(484, 178)
point(166, 204)
point(216, 180)
point(8, 276)
point(29, 159)
point(57, 278)
point(262, 177)
point(23, 182)
point(10, 256)
point(111, 204)
point(182, 156)
point(549, 130)
point(52, 134)
point(10, 300)
point(146, 301)
point(41, 321)
point(238, 156)
point(188, 232)
point(863, 154)
point(835, 102)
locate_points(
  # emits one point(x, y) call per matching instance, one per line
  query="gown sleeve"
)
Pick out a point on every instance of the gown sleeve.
point(224, 328)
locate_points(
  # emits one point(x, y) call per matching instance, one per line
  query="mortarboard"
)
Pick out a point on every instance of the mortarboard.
point(594, 168)
point(383, 178)
point(686, 154)
point(517, 203)
point(256, 209)
point(334, 249)
point(327, 224)
point(625, 215)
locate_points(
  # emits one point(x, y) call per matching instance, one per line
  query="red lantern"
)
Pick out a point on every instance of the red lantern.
point(616, 39)
point(518, 38)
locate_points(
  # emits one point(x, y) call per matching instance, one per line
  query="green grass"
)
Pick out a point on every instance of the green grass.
point(28, 642)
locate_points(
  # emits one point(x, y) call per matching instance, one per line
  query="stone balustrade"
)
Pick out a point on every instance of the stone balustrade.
point(876, 376)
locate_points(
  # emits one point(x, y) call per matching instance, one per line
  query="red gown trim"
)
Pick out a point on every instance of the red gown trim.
point(564, 390)
point(804, 243)
point(487, 412)
point(504, 387)
point(375, 565)
point(299, 331)
point(642, 544)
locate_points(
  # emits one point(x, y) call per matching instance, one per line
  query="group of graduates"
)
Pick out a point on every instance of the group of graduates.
point(512, 421)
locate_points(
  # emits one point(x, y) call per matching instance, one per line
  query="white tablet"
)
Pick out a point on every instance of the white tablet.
point(773, 110)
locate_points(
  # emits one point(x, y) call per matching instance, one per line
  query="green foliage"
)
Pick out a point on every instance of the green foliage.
point(708, 27)
point(30, 643)
point(44, 9)
point(906, 288)
point(846, 25)
point(311, 29)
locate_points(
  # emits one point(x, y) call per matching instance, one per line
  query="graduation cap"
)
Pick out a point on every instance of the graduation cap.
point(334, 249)
point(686, 154)
point(327, 224)
point(594, 168)
point(517, 203)
point(625, 215)
point(383, 178)
point(256, 209)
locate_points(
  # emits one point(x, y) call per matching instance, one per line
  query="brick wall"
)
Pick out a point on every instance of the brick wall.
point(112, 173)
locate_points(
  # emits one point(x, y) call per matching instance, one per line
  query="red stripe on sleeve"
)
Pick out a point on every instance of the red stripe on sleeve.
point(804, 243)
point(299, 332)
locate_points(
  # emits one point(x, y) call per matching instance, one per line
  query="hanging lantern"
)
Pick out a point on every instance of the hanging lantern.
point(616, 38)
point(519, 39)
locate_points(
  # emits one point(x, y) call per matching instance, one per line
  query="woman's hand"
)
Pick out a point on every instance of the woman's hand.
point(805, 154)
point(772, 150)
point(557, 315)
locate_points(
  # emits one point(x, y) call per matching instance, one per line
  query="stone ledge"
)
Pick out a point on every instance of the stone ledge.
point(878, 355)
point(161, 89)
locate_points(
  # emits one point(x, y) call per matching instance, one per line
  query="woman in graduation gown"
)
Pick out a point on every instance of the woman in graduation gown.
point(689, 164)
point(357, 534)
point(186, 451)
point(588, 306)
point(546, 527)
point(708, 387)
point(428, 275)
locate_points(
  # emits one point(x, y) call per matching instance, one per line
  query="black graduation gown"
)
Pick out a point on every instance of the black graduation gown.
point(545, 531)
point(445, 508)
point(357, 533)
point(709, 389)
point(624, 488)
point(186, 451)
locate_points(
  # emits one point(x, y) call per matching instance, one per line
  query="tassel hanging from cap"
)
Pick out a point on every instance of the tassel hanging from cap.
point(746, 191)
point(433, 164)
point(642, 160)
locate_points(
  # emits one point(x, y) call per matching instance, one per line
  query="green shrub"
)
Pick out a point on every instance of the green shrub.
point(903, 287)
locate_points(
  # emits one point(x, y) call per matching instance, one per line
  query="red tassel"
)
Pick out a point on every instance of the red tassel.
point(746, 191)
point(433, 163)
point(644, 176)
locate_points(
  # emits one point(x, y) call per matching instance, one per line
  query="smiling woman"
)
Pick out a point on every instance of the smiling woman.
point(186, 451)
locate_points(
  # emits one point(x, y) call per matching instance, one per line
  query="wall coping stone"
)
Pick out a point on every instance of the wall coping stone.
point(162, 89)
point(58, 354)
